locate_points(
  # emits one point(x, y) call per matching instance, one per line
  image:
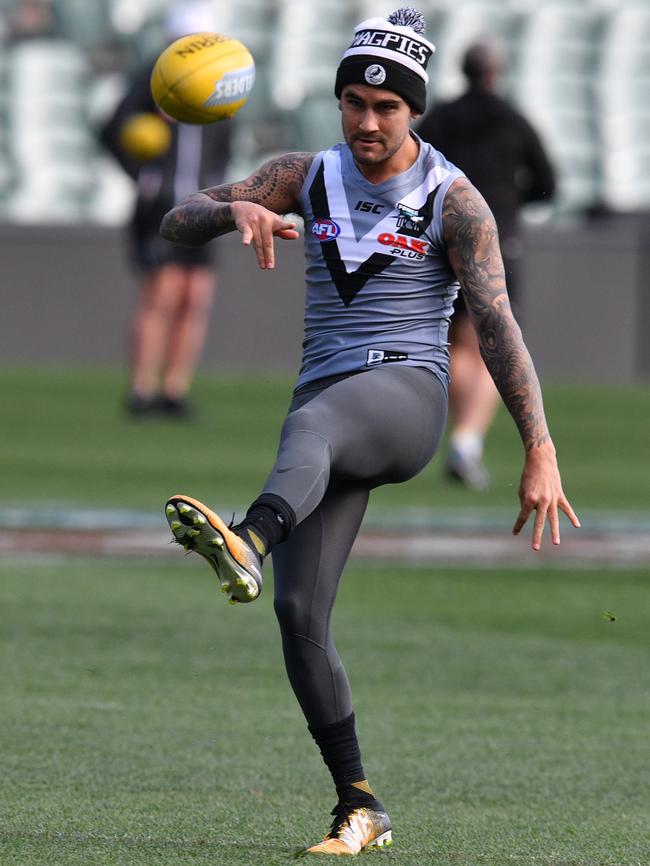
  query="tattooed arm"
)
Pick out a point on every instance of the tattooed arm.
point(473, 250)
point(472, 243)
point(253, 206)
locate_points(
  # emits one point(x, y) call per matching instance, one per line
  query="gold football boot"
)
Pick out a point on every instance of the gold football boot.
point(353, 829)
point(197, 528)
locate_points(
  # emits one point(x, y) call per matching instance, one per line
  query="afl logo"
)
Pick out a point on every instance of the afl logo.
point(325, 230)
point(375, 74)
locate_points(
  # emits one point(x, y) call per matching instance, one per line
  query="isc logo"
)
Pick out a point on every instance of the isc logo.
point(368, 206)
point(325, 230)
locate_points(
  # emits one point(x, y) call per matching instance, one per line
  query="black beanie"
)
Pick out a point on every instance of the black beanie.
point(389, 53)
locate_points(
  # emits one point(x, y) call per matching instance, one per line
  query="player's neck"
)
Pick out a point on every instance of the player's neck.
point(399, 162)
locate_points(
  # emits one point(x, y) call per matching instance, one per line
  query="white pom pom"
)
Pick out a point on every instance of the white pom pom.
point(408, 17)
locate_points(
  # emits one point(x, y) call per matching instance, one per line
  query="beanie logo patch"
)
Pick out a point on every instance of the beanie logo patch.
point(375, 74)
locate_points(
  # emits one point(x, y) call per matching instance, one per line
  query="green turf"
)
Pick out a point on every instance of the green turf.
point(503, 718)
point(65, 440)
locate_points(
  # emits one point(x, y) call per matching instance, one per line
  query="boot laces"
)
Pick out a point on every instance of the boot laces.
point(342, 813)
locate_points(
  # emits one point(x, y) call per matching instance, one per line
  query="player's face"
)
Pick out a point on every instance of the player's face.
point(375, 123)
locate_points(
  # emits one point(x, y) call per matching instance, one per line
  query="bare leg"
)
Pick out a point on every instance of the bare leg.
point(160, 297)
point(473, 402)
point(473, 396)
point(188, 331)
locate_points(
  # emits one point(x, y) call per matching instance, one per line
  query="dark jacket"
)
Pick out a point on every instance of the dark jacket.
point(199, 162)
point(496, 147)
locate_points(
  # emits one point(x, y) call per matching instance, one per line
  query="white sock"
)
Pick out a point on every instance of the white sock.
point(468, 443)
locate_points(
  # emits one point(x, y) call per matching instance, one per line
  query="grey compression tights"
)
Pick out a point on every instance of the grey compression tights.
point(377, 427)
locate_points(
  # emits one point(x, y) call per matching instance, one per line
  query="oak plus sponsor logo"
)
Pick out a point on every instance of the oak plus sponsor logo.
point(325, 229)
point(405, 247)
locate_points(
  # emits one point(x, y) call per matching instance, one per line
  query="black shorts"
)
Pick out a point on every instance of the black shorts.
point(150, 251)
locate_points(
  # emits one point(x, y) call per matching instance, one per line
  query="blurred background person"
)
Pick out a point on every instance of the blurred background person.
point(32, 19)
point(167, 160)
point(488, 138)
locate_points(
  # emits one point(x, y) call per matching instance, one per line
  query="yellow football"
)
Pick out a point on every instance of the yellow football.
point(145, 136)
point(203, 77)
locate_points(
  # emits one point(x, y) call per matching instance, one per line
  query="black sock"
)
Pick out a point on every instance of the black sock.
point(268, 521)
point(339, 747)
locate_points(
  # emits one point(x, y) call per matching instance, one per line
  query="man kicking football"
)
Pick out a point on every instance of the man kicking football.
point(392, 230)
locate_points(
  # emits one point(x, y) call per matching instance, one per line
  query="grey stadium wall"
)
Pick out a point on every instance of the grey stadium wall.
point(68, 292)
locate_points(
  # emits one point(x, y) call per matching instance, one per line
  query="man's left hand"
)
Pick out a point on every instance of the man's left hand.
point(540, 490)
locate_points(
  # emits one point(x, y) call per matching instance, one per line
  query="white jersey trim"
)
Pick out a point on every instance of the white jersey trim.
point(338, 204)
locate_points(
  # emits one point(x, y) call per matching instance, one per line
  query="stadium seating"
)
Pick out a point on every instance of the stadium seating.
point(623, 107)
point(580, 69)
point(49, 139)
point(453, 30)
point(554, 84)
point(81, 20)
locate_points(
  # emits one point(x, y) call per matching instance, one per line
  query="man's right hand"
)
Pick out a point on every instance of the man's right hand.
point(259, 226)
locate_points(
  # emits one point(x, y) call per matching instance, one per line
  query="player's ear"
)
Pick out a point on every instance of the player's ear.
point(415, 115)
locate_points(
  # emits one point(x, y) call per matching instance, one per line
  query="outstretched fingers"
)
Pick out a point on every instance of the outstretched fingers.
point(246, 234)
point(251, 234)
point(263, 245)
point(564, 505)
point(289, 233)
point(545, 510)
point(541, 513)
point(268, 233)
point(554, 526)
point(259, 227)
point(522, 519)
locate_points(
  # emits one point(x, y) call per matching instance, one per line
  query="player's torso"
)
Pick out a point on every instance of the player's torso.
point(357, 231)
point(377, 274)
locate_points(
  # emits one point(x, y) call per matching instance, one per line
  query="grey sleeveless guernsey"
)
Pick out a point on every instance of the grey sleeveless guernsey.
point(379, 287)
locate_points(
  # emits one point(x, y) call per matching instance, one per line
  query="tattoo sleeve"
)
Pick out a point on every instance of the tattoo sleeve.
point(472, 243)
point(206, 214)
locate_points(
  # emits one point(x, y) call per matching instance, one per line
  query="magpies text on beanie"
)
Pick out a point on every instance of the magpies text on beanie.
point(391, 53)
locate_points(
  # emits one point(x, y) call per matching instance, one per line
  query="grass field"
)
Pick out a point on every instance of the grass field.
point(65, 440)
point(503, 719)
point(503, 716)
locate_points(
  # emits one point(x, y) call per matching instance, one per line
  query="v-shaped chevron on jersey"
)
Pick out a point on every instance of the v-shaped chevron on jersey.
point(347, 284)
point(329, 201)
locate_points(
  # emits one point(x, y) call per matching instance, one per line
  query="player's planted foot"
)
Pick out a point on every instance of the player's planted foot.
point(468, 469)
point(237, 563)
point(354, 828)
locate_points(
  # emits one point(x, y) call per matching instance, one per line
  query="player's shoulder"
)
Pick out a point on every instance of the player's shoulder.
point(431, 159)
point(334, 156)
point(464, 206)
point(338, 151)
